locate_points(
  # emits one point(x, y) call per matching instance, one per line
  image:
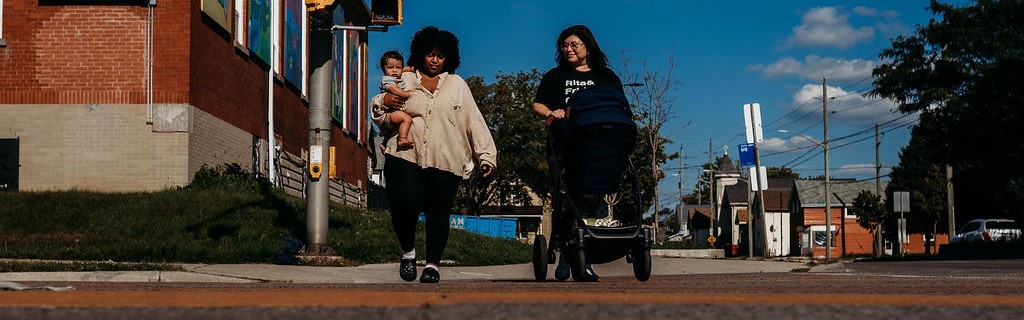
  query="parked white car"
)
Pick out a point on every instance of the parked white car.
point(988, 230)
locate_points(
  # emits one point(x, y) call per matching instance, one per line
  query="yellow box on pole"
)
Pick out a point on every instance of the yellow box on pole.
point(332, 170)
point(313, 5)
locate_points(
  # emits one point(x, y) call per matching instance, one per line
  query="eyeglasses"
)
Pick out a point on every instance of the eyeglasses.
point(572, 45)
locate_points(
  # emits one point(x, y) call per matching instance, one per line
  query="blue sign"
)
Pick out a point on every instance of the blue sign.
point(747, 155)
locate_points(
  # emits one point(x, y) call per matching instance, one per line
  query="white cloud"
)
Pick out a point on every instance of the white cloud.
point(794, 143)
point(827, 27)
point(815, 67)
point(846, 107)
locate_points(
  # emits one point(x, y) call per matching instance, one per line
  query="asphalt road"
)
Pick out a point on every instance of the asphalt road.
point(862, 290)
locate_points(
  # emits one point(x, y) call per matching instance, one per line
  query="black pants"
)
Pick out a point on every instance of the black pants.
point(412, 190)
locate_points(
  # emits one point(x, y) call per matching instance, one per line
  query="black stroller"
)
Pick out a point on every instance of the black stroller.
point(599, 138)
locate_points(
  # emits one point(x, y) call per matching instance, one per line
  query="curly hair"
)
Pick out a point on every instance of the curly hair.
point(431, 38)
point(597, 59)
point(389, 55)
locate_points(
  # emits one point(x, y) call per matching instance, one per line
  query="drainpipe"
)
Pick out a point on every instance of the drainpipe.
point(272, 144)
point(148, 63)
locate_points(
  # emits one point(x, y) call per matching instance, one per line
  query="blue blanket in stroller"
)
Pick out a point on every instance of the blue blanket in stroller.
point(600, 135)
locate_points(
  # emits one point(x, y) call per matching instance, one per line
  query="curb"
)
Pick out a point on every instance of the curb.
point(689, 253)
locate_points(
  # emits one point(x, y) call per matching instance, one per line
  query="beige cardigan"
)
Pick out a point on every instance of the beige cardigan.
point(448, 129)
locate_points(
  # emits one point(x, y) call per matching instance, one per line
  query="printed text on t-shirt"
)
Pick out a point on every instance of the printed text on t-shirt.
point(571, 86)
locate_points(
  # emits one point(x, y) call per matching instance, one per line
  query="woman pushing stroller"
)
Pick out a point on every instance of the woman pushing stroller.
point(580, 64)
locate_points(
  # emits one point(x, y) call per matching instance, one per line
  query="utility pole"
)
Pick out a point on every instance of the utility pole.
point(949, 201)
point(657, 206)
point(679, 211)
point(828, 191)
point(711, 190)
point(879, 242)
point(680, 176)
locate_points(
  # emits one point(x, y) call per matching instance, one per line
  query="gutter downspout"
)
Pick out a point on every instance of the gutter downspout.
point(272, 144)
point(148, 63)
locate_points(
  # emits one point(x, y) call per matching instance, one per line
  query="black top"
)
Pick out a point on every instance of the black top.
point(558, 84)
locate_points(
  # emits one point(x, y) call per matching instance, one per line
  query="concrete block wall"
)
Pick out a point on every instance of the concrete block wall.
point(213, 141)
point(93, 147)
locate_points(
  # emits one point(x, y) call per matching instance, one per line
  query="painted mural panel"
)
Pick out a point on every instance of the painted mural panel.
point(337, 77)
point(293, 26)
point(354, 58)
point(218, 11)
point(259, 28)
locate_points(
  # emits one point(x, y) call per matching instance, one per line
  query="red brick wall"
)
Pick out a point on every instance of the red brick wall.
point(858, 239)
point(86, 53)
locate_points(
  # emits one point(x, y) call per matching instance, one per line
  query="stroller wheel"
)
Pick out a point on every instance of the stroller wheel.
point(641, 262)
point(540, 258)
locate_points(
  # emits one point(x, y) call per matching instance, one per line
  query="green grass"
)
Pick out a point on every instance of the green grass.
point(78, 266)
point(224, 216)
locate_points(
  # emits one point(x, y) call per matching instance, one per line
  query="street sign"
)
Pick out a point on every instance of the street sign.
point(752, 121)
point(901, 201)
point(759, 184)
point(747, 155)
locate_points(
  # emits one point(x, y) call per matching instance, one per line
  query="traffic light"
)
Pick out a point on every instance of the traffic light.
point(386, 12)
point(313, 5)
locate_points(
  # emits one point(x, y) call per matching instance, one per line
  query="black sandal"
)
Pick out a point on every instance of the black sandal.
point(407, 269)
point(430, 275)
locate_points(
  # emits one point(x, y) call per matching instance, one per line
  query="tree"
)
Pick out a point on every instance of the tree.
point(782, 173)
point(507, 107)
point(870, 211)
point(964, 73)
point(918, 174)
point(652, 108)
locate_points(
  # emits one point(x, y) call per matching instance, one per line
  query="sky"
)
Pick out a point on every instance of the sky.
point(726, 54)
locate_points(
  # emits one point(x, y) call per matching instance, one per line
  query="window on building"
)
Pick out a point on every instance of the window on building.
point(849, 214)
point(240, 23)
point(3, 43)
point(820, 238)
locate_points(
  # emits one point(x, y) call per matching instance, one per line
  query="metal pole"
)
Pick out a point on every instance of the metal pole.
point(318, 192)
point(949, 202)
point(318, 189)
point(760, 195)
point(879, 242)
point(750, 222)
point(828, 191)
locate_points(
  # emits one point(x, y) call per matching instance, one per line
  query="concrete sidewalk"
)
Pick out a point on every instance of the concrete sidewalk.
point(388, 273)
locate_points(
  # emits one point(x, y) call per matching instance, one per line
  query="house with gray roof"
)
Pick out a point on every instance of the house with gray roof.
point(848, 236)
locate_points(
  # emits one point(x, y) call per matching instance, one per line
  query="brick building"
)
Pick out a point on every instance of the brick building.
point(138, 95)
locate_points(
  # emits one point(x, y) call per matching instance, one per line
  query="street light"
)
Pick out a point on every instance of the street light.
point(828, 191)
